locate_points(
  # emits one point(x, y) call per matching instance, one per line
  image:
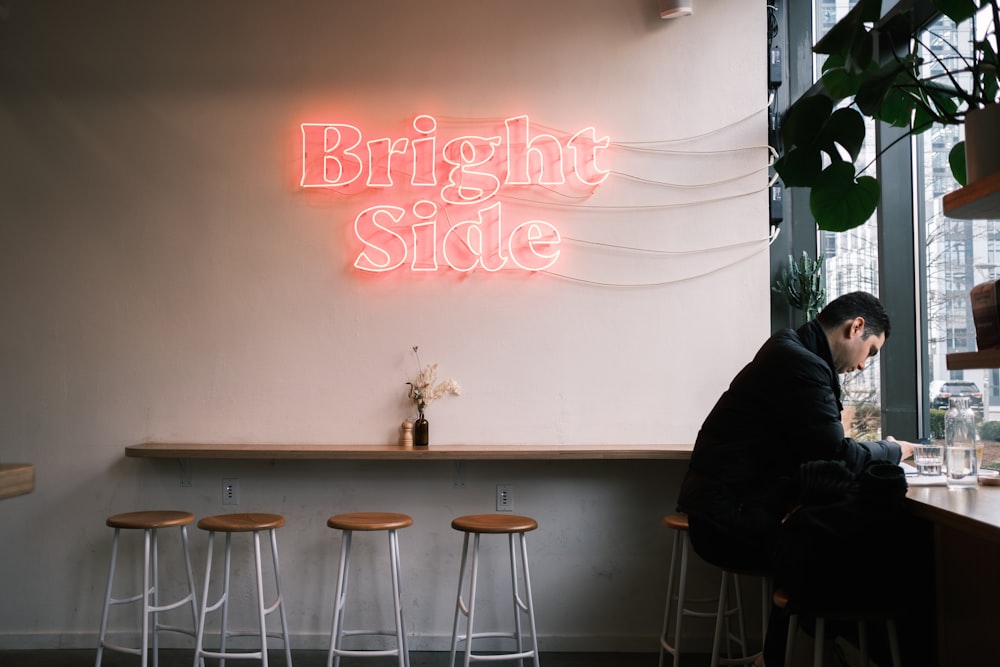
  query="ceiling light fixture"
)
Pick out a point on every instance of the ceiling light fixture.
point(671, 9)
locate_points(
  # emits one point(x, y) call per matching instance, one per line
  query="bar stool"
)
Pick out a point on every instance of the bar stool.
point(503, 524)
point(149, 522)
point(717, 608)
point(242, 523)
point(722, 633)
point(782, 601)
point(367, 521)
point(679, 558)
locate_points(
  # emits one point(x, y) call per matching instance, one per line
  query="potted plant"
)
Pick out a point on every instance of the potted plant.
point(801, 284)
point(914, 88)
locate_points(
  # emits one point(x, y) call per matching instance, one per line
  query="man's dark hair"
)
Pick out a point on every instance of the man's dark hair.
point(856, 304)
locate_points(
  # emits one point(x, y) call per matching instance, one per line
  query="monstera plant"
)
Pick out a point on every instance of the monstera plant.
point(914, 87)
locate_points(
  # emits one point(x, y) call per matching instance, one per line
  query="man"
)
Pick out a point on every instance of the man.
point(782, 410)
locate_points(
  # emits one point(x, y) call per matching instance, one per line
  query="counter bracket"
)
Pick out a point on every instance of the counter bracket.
point(185, 465)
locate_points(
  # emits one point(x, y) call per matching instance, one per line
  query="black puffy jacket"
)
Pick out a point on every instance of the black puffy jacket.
point(781, 410)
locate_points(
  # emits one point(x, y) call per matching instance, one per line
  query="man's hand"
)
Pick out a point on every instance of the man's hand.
point(906, 447)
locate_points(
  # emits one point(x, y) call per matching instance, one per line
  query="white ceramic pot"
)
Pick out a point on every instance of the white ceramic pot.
point(982, 142)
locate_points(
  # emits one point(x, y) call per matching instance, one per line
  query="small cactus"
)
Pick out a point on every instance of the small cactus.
point(802, 286)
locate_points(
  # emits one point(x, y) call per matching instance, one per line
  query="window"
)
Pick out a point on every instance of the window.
point(960, 253)
point(851, 263)
point(951, 255)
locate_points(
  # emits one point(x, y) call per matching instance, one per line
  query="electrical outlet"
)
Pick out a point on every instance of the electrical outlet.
point(505, 498)
point(230, 491)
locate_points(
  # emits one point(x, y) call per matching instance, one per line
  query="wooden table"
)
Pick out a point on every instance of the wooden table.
point(967, 562)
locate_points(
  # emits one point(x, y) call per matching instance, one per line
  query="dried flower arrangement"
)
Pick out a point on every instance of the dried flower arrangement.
point(425, 388)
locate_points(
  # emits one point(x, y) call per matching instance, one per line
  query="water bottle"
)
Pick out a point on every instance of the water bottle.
point(960, 445)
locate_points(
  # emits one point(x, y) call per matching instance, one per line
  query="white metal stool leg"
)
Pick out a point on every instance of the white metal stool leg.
point(515, 598)
point(677, 606)
point(820, 639)
point(255, 524)
point(460, 607)
point(149, 597)
point(397, 600)
point(781, 600)
point(678, 552)
point(890, 628)
point(723, 633)
point(471, 613)
point(337, 631)
point(528, 606)
point(348, 524)
point(473, 526)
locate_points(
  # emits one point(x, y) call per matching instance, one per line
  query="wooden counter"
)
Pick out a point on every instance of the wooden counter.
point(966, 552)
point(170, 450)
point(16, 479)
point(976, 511)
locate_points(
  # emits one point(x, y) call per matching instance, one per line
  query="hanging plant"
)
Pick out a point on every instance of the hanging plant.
point(926, 81)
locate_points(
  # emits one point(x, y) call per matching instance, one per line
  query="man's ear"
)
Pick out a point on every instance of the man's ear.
point(857, 327)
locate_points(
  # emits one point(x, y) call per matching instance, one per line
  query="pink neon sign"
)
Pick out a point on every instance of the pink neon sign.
point(458, 184)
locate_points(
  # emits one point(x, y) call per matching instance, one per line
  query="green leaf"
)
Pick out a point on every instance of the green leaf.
point(988, 66)
point(943, 99)
point(849, 37)
point(840, 83)
point(922, 120)
point(799, 167)
point(873, 91)
point(839, 201)
point(846, 128)
point(957, 10)
point(804, 119)
point(871, 10)
point(896, 109)
point(956, 159)
point(841, 36)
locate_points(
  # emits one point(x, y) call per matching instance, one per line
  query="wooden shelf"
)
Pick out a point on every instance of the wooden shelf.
point(976, 201)
point(168, 450)
point(958, 361)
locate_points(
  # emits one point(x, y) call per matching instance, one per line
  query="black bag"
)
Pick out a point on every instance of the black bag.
point(841, 542)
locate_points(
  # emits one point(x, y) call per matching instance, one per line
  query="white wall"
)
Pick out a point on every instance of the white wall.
point(163, 277)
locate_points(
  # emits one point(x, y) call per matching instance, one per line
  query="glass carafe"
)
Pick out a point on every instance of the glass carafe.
point(960, 445)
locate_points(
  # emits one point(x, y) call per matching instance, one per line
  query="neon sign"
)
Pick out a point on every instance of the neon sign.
point(458, 184)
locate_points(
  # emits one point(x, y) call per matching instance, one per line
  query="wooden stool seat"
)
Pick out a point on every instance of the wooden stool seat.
point(494, 523)
point(151, 598)
point(150, 519)
point(348, 523)
point(677, 521)
point(369, 521)
point(241, 523)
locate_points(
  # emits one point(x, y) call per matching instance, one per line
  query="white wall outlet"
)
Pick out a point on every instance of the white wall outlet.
point(505, 498)
point(231, 491)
